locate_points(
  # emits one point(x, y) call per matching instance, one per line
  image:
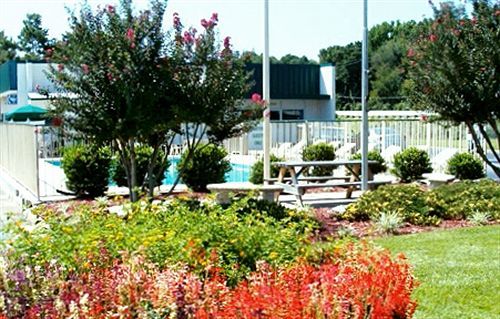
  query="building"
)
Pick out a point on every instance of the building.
point(20, 82)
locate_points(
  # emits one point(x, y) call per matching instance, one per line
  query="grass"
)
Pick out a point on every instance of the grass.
point(458, 271)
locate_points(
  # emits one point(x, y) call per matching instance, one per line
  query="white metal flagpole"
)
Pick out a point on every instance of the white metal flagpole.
point(266, 95)
point(364, 97)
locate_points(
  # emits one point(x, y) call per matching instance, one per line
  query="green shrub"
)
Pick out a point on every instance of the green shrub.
point(143, 156)
point(388, 222)
point(87, 169)
point(465, 166)
point(410, 164)
point(186, 232)
point(320, 152)
point(208, 164)
point(373, 155)
point(257, 170)
point(460, 200)
point(408, 201)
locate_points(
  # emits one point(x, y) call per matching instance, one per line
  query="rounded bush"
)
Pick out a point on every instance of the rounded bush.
point(257, 170)
point(208, 164)
point(465, 166)
point(320, 152)
point(410, 164)
point(374, 155)
point(87, 169)
point(143, 156)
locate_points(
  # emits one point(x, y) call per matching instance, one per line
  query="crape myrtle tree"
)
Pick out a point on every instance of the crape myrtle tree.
point(133, 83)
point(210, 84)
point(115, 67)
point(455, 71)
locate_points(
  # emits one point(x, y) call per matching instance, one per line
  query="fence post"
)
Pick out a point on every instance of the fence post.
point(428, 137)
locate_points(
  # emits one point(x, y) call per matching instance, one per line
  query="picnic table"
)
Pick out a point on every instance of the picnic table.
point(295, 169)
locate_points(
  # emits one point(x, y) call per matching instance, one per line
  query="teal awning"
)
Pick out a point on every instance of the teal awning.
point(32, 112)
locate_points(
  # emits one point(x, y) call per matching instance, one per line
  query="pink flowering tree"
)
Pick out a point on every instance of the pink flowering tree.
point(210, 85)
point(113, 61)
point(454, 71)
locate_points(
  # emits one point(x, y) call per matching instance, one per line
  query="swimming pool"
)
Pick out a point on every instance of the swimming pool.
point(238, 172)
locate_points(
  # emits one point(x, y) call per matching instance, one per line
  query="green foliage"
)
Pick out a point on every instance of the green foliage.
point(410, 164)
point(7, 48)
point(388, 222)
point(479, 218)
point(407, 201)
point(465, 166)
point(460, 200)
point(207, 164)
point(373, 155)
point(447, 79)
point(168, 234)
point(33, 39)
point(257, 170)
point(320, 152)
point(87, 169)
point(143, 158)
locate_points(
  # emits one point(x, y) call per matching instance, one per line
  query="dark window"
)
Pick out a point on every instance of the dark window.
point(275, 115)
point(293, 114)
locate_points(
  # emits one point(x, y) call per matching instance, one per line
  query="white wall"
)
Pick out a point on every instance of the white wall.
point(327, 86)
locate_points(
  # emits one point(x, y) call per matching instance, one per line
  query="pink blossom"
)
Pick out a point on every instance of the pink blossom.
point(177, 20)
point(49, 52)
point(214, 17)
point(110, 9)
point(188, 37)
point(130, 35)
point(110, 76)
point(85, 69)
point(227, 44)
point(410, 53)
point(497, 13)
point(204, 23)
point(60, 67)
point(433, 38)
point(257, 99)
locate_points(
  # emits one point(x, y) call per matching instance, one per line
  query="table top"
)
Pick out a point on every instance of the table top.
point(319, 163)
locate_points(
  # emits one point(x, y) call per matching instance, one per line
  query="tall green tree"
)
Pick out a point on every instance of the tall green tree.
point(7, 48)
point(456, 71)
point(33, 39)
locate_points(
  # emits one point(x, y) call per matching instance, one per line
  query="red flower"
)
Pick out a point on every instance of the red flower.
point(49, 52)
point(433, 38)
point(410, 53)
point(257, 99)
point(110, 9)
point(227, 44)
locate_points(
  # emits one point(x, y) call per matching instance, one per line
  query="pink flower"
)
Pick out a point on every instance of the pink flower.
point(110, 76)
point(130, 35)
point(227, 44)
point(177, 21)
point(433, 38)
point(214, 17)
point(257, 99)
point(85, 69)
point(204, 23)
point(110, 9)
point(49, 52)
point(410, 53)
point(60, 67)
point(188, 37)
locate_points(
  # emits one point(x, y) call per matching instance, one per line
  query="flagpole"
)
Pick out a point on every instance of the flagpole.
point(266, 96)
point(364, 97)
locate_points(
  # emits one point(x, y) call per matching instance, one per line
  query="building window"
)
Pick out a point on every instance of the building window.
point(293, 114)
point(275, 115)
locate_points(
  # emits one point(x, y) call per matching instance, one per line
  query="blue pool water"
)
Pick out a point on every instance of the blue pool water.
point(238, 172)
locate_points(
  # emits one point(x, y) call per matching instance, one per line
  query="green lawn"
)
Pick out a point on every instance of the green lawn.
point(458, 271)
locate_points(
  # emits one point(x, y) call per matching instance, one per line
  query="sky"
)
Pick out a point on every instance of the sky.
point(299, 27)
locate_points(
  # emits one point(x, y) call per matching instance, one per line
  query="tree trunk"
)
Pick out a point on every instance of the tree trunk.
point(480, 149)
point(134, 196)
point(488, 141)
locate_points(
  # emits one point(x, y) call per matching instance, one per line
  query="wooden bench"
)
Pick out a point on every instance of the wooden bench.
point(224, 191)
point(301, 188)
point(310, 179)
point(437, 179)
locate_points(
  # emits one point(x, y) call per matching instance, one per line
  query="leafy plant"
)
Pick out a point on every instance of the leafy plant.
point(479, 218)
point(407, 201)
point(410, 164)
point(320, 152)
point(208, 164)
point(143, 157)
point(465, 166)
point(388, 222)
point(373, 155)
point(257, 170)
point(460, 200)
point(87, 169)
